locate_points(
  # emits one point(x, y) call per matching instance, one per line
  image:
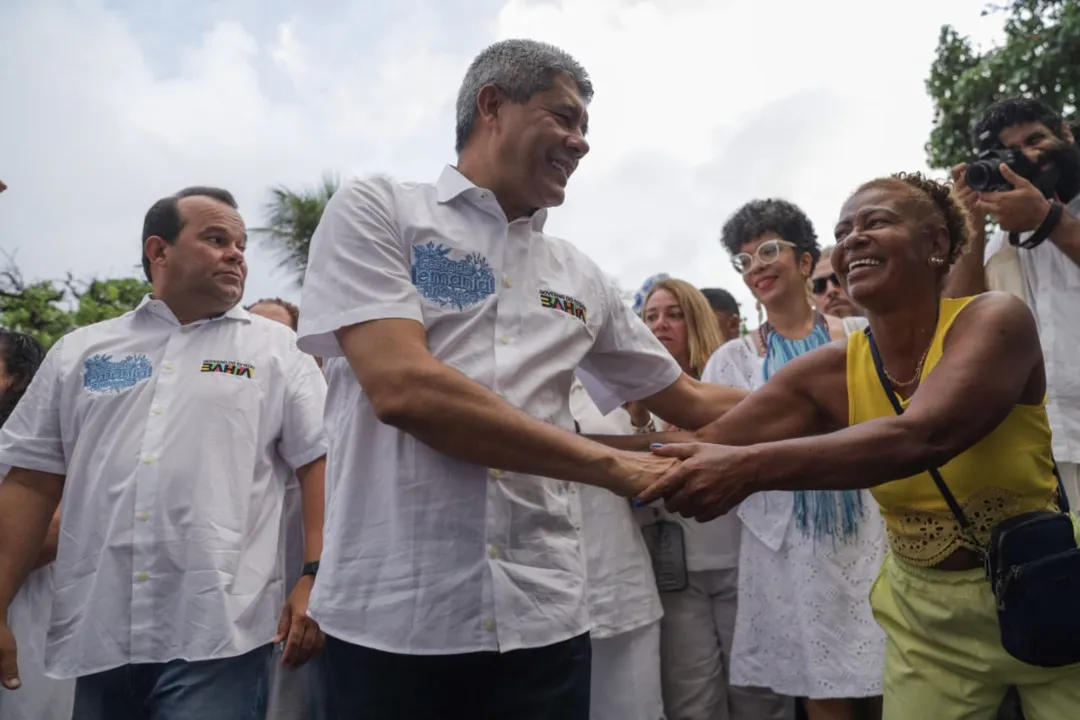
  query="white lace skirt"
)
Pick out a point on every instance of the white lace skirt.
point(804, 627)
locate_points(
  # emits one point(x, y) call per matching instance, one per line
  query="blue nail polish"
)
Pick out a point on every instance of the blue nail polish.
point(656, 445)
point(638, 502)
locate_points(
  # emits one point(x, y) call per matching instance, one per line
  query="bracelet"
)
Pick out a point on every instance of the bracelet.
point(1053, 217)
point(649, 427)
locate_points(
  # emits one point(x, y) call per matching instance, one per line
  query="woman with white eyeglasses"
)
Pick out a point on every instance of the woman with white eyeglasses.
point(807, 559)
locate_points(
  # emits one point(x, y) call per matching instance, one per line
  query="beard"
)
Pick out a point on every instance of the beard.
point(1064, 162)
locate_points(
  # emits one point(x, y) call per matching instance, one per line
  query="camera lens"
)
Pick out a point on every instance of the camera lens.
point(980, 175)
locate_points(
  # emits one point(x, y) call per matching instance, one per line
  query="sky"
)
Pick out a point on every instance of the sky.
point(700, 106)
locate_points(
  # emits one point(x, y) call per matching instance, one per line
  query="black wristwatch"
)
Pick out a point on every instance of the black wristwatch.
point(310, 568)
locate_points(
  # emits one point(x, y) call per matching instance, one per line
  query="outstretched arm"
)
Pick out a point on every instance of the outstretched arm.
point(958, 404)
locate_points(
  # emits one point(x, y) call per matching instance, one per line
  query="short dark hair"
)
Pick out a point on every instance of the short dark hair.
point(721, 300)
point(163, 218)
point(294, 312)
point(1012, 111)
point(758, 217)
point(22, 356)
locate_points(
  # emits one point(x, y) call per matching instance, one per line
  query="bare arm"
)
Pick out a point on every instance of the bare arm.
point(52, 542)
point(690, 404)
point(443, 408)
point(968, 275)
point(28, 501)
point(312, 479)
point(804, 401)
point(958, 404)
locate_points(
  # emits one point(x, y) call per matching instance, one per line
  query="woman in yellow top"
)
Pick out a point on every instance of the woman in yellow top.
point(970, 375)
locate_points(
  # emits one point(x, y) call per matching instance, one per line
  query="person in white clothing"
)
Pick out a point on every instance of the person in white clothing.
point(1035, 254)
point(452, 582)
point(700, 597)
point(624, 606)
point(39, 697)
point(297, 693)
point(804, 626)
point(167, 436)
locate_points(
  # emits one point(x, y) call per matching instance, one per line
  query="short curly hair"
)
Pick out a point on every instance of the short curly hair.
point(1005, 113)
point(937, 205)
point(758, 217)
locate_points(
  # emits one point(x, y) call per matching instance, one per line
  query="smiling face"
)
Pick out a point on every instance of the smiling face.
point(773, 281)
point(665, 317)
point(885, 241)
point(537, 144)
point(828, 294)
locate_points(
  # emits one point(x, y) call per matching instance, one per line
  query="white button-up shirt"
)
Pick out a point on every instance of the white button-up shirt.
point(425, 554)
point(177, 442)
point(1052, 284)
point(619, 576)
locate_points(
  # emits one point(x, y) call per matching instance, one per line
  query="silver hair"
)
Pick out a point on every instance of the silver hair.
point(520, 68)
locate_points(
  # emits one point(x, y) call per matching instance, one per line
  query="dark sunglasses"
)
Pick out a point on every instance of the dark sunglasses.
point(819, 285)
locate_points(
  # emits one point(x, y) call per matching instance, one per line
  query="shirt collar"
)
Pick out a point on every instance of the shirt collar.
point(452, 184)
point(159, 309)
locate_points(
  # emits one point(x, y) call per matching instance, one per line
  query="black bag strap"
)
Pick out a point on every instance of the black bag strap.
point(950, 499)
point(946, 493)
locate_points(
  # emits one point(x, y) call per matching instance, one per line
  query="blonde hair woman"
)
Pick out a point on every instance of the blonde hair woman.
point(699, 579)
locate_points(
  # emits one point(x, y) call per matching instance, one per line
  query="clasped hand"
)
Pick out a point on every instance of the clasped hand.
point(705, 481)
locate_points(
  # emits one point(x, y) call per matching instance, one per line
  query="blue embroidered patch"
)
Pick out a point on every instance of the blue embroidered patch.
point(102, 374)
point(448, 282)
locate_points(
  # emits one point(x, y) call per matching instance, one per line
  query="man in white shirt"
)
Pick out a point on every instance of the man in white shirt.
point(1035, 254)
point(295, 693)
point(171, 432)
point(452, 579)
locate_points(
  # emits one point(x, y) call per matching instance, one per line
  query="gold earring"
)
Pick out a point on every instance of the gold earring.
point(760, 317)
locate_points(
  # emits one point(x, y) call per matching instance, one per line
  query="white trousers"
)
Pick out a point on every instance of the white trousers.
point(626, 676)
point(696, 637)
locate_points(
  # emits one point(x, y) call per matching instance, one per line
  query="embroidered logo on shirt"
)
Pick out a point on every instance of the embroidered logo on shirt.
point(448, 282)
point(569, 305)
point(229, 367)
point(102, 374)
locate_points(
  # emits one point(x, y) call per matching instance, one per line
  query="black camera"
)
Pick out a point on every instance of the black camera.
point(984, 175)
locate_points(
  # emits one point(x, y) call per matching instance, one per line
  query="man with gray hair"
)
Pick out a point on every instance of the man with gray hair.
point(452, 580)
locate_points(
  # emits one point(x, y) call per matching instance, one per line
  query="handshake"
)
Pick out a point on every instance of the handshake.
point(696, 480)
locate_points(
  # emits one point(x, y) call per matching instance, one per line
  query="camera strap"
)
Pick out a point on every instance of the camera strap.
point(1043, 231)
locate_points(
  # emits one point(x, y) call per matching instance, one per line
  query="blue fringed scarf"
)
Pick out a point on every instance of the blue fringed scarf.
point(823, 513)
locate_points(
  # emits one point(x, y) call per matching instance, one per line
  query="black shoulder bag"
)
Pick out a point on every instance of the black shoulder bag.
point(1033, 565)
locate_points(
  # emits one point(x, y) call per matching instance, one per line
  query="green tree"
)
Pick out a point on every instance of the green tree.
point(291, 219)
point(1040, 57)
point(49, 309)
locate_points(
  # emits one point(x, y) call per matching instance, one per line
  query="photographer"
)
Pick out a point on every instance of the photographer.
point(1035, 253)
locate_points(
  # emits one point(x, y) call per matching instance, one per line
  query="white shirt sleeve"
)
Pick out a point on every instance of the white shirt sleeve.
point(358, 267)
point(32, 438)
point(626, 361)
point(733, 364)
point(302, 437)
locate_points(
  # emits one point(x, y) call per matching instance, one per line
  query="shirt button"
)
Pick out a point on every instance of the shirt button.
point(496, 473)
point(489, 624)
point(493, 552)
point(168, 366)
point(142, 577)
point(144, 516)
point(505, 340)
point(148, 459)
point(157, 411)
point(506, 282)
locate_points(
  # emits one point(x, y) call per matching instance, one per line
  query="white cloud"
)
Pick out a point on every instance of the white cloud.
point(700, 105)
